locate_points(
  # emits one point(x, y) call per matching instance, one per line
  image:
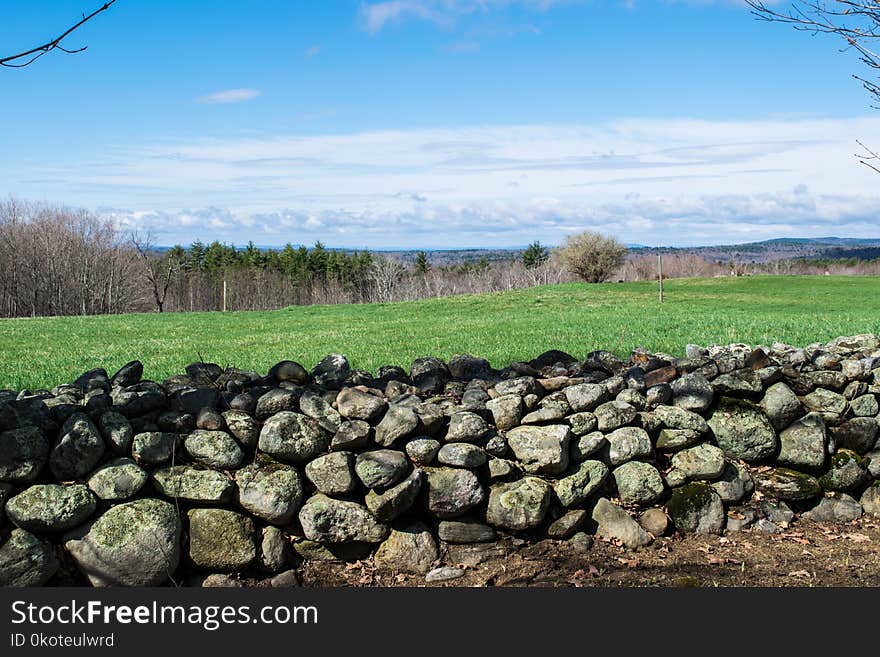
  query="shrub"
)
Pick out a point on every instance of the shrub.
point(592, 257)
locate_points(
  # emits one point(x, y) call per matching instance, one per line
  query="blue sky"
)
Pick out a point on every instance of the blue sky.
point(439, 123)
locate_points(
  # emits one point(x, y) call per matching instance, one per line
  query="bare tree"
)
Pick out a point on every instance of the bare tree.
point(159, 271)
point(27, 57)
point(857, 22)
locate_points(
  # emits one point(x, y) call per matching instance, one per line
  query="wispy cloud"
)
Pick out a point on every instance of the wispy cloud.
point(313, 51)
point(229, 96)
point(444, 13)
point(650, 181)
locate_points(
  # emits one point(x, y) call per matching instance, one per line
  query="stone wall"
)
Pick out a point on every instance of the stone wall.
point(114, 480)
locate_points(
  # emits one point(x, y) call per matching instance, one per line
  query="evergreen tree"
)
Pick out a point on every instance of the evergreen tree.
point(422, 264)
point(535, 255)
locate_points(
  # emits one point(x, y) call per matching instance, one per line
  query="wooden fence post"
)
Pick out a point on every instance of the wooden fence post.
point(660, 275)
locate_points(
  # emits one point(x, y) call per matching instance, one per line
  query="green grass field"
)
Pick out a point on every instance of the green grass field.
point(502, 327)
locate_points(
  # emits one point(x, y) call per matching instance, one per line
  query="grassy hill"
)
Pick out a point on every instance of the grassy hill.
point(502, 327)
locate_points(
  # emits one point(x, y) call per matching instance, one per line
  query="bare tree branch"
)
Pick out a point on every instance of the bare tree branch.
point(32, 55)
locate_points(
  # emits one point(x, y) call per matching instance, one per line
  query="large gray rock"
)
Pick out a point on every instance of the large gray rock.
point(638, 483)
point(674, 417)
point(670, 440)
point(154, 447)
point(422, 451)
point(117, 432)
point(628, 443)
point(275, 401)
point(785, 484)
point(466, 426)
point(518, 505)
point(392, 502)
point(541, 450)
point(221, 540)
point(614, 414)
point(352, 435)
point(78, 450)
point(506, 410)
point(132, 544)
point(834, 507)
point(846, 471)
point(734, 484)
point(781, 405)
point(398, 422)
point(381, 468)
point(243, 427)
point(272, 492)
point(51, 507)
point(118, 479)
point(190, 484)
point(858, 434)
point(616, 524)
point(333, 473)
point(585, 396)
point(25, 560)
point(701, 462)
point(743, 430)
point(332, 371)
point(355, 404)
point(214, 449)
point(23, 453)
point(293, 437)
point(692, 392)
point(462, 455)
point(576, 488)
point(452, 491)
point(696, 508)
point(314, 405)
point(830, 404)
point(803, 443)
point(327, 520)
point(411, 549)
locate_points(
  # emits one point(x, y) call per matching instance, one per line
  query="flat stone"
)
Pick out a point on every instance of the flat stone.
point(465, 530)
point(118, 479)
point(220, 539)
point(567, 525)
point(785, 484)
point(835, 507)
point(462, 455)
point(444, 574)
point(586, 396)
point(51, 507)
point(616, 524)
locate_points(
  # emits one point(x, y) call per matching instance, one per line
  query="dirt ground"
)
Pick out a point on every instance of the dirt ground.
point(806, 554)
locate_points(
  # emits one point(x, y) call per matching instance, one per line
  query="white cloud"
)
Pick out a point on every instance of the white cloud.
point(229, 96)
point(313, 51)
point(653, 181)
point(378, 15)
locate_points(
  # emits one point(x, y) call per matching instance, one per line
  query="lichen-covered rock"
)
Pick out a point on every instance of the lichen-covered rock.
point(272, 492)
point(190, 484)
point(132, 544)
point(506, 411)
point(626, 444)
point(220, 540)
point(785, 484)
point(117, 432)
point(670, 440)
point(582, 423)
point(78, 450)
point(781, 405)
point(846, 471)
point(25, 560)
point(23, 453)
point(576, 488)
point(214, 449)
point(356, 404)
point(466, 426)
point(411, 549)
point(614, 523)
point(332, 371)
point(352, 435)
point(742, 430)
point(51, 507)
point(313, 404)
point(327, 520)
point(674, 417)
point(333, 473)
point(541, 450)
point(865, 406)
point(422, 451)
point(154, 447)
point(638, 483)
point(858, 434)
point(429, 375)
point(583, 447)
point(734, 484)
point(830, 404)
point(293, 437)
point(452, 491)
point(462, 455)
point(521, 386)
point(585, 396)
point(692, 392)
point(613, 415)
point(704, 462)
point(276, 401)
point(834, 507)
point(803, 443)
point(243, 427)
point(118, 479)
point(518, 505)
point(697, 508)
point(397, 423)
point(392, 502)
point(381, 468)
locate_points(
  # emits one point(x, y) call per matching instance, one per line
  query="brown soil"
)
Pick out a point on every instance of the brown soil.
point(806, 554)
